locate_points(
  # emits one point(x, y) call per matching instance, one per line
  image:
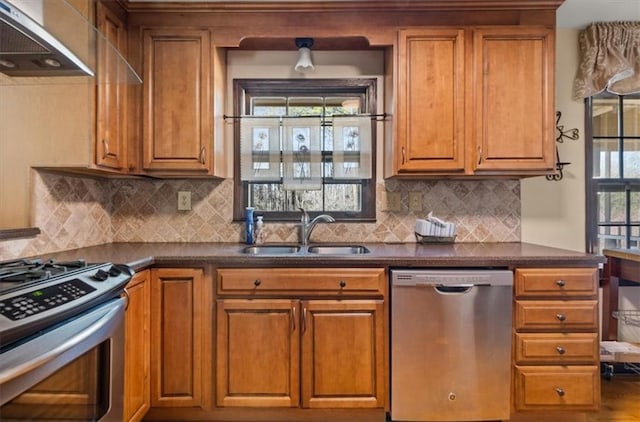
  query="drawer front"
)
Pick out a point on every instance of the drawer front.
point(269, 281)
point(559, 349)
point(556, 282)
point(556, 315)
point(557, 388)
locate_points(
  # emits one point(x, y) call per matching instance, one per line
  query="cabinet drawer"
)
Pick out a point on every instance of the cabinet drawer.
point(556, 315)
point(557, 388)
point(556, 282)
point(266, 281)
point(560, 349)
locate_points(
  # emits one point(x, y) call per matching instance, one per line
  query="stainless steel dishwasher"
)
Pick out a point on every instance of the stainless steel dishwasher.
point(450, 344)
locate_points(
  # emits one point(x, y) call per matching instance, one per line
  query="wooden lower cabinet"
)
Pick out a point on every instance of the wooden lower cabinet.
point(556, 349)
point(292, 353)
point(258, 350)
point(137, 397)
point(180, 339)
point(343, 354)
point(558, 387)
point(298, 339)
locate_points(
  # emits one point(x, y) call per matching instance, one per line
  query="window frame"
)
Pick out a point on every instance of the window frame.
point(292, 87)
point(617, 184)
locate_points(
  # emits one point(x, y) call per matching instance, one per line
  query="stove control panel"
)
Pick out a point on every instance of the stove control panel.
point(37, 301)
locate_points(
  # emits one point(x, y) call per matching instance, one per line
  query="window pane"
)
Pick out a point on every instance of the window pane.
point(606, 157)
point(611, 237)
point(635, 207)
point(631, 117)
point(343, 197)
point(605, 117)
point(342, 105)
point(265, 106)
point(270, 197)
point(305, 106)
point(611, 207)
point(635, 237)
point(267, 197)
point(631, 158)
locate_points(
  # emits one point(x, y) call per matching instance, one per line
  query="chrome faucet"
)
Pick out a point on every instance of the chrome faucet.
point(306, 226)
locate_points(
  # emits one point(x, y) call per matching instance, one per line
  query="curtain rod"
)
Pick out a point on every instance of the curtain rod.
point(377, 117)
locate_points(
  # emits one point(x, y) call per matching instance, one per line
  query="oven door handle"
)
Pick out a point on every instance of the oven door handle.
point(82, 332)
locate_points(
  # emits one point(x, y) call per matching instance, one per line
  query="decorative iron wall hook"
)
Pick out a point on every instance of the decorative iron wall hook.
point(561, 134)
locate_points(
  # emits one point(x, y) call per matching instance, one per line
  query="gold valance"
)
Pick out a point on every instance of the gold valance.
point(609, 59)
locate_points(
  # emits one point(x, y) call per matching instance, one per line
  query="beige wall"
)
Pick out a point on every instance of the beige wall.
point(553, 213)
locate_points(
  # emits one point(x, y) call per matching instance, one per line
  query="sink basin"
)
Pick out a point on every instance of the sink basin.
point(338, 249)
point(271, 249)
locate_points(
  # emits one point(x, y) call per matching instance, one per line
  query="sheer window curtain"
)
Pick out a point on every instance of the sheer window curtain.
point(609, 59)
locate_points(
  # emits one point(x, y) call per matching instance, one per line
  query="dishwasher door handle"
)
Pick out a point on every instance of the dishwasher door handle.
point(453, 289)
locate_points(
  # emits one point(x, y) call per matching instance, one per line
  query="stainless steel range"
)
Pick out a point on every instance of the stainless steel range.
point(61, 340)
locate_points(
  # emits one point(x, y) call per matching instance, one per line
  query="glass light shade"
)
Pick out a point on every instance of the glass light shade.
point(304, 60)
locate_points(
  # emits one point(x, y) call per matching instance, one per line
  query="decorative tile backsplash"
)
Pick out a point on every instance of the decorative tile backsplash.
point(74, 211)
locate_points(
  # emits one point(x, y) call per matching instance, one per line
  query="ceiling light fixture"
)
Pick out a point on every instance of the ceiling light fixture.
point(304, 57)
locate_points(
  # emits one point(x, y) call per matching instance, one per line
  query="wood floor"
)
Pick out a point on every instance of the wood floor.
point(620, 400)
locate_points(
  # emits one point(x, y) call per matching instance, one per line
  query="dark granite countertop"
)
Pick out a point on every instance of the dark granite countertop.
point(515, 254)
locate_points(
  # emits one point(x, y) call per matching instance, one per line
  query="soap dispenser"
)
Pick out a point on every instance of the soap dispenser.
point(259, 231)
point(248, 222)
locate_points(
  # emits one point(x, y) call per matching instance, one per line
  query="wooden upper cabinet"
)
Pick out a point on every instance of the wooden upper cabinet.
point(514, 99)
point(474, 101)
point(177, 135)
point(111, 110)
point(430, 89)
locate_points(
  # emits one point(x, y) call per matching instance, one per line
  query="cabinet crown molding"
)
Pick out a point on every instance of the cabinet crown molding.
point(354, 5)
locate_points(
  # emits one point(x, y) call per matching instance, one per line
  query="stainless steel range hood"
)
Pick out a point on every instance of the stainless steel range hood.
point(44, 38)
point(28, 49)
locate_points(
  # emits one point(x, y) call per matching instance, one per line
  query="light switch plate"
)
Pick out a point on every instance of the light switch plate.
point(393, 201)
point(415, 201)
point(184, 201)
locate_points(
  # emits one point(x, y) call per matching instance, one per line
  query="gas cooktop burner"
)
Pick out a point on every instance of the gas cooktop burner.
point(27, 271)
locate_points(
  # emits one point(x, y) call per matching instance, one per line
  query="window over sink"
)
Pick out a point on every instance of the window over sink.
point(305, 143)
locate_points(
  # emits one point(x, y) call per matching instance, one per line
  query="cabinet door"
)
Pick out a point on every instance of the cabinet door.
point(180, 370)
point(430, 89)
point(111, 91)
point(343, 354)
point(258, 345)
point(137, 348)
point(177, 129)
point(514, 112)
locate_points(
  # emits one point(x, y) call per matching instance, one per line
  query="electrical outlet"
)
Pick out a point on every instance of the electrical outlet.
point(415, 201)
point(184, 201)
point(393, 201)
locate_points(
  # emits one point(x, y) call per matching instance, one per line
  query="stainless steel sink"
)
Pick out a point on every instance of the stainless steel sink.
point(271, 249)
point(338, 249)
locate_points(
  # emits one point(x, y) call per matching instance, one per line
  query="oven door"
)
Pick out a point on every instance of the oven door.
point(73, 372)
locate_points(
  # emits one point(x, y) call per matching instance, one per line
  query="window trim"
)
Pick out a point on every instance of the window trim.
point(275, 87)
point(593, 186)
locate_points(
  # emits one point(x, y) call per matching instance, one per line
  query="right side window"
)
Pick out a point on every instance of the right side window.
point(613, 172)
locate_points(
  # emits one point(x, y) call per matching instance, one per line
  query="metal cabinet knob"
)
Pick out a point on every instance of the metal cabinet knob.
point(561, 317)
point(257, 282)
point(561, 283)
point(560, 391)
point(561, 350)
point(343, 284)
